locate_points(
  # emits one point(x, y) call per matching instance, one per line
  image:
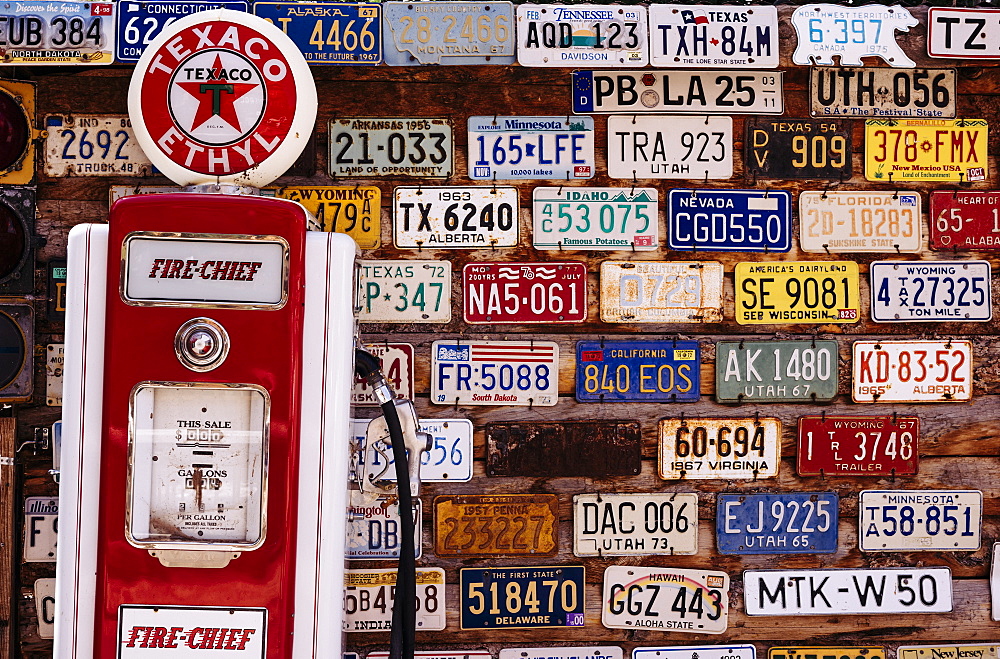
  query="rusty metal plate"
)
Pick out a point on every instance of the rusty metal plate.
point(598, 449)
point(661, 291)
point(736, 448)
point(496, 525)
point(834, 652)
point(858, 445)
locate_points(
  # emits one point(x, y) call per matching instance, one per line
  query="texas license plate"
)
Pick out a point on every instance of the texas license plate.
point(713, 36)
point(926, 150)
point(576, 218)
point(882, 92)
point(93, 145)
point(635, 524)
point(642, 147)
point(329, 32)
point(912, 371)
point(448, 460)
point(495, 372)
point(579, 652)
point(696, 651)
point(406, 291)
point(829, 652)
point(524, 293)
point(797, 292)
point(458, 217)
point(41, 524)
point(664, 371)
point(373, 528)
point(397, 365)
point(140, 22)
point(871, 221)
point(678, 92)
point(933, 291)
point(720, 220)
point(379, 147)
point(531, 148)
point(961, 219)
point(793, 523)
point(369, 596)
point(661, 291)
point(825, 31)
point(58, 33)
point(675, 599)
point(949, 651)
point(966, 33)
point(703, 449)
point(522, 597)
point(496, 525)
point(587, 34)
point(920, 520)
point(352, 209)
point(448, 33)
point(798, 148)
point(858, 445)
point(775, 371)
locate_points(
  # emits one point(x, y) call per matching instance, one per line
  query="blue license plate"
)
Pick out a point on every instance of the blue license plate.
point(138, 23)
point(329, 32)
point(801, 523)
point(531, 148)
point(664, 371)
point(729, 220)
point(517, 597)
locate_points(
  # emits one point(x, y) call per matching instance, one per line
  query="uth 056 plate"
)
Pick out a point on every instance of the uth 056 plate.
point(836, 221)
point(661, 291)
point(329, 32)
point(932, 291)
point(882, 92)
point(496, 525)
point(912, 371)
point(798, 148)
point(790, 523)
point(797, 292)
point(369, 596)
point(729, 220)
point(58, 33)
point(665, 371)
point(549, 449)
point(397, 365)
point(138, 23)
point(522, 597)
point(775, 371)
point(524, 293)
point(468, 217)
point(595, 218)
point(448, 33)
point(448, 460)
point(858, 445)
point(587, 34)
point(373, 147)
point(495, 372)
point(352, 209)
point(827, 30)
point(681, 148)
point(736, 448)
point(93, 145)
point(404, 291)
point(963, 33)
point(715, 36)
point(991, 651)
point(696, 652)
point(373, 528)
point(635, 524)
point(676, 599)
point(829, 652)
point(965, 219)
point(926, 150)
point(531, 148)
point(920, 520)
point(579, 652)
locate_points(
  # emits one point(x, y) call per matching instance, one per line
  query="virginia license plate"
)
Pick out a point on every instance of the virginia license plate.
point(962, 219)
point(635, 524)
point(912, 371)
point(550, 449)
point(377, 147)
point(854, 221)
point(448, 460)
point(369, 596)
point(496, 525)
point(524, 293)
point(920, 520)
point(827, 30)
point(934, 291)
point(585, 652)
point(676, 599)
point(972, 33)
point(588, 35)
point(797, 292)
point(678, 92)
point(141, 22)
point(664, 371)
point(578, 218)
point(729, 220)
point(703, 449)
point(829, 652)
point(459, 217)
point(661, 291)
point(798, 148)
point(41, 524)
point(406, 291)
point(792, 523)
point(882, 92)
point(522, 597)
point(531, 148)
point(713, 36)
point(58, 33)
point(373, 528)
point(696, 651)
point(926, 150)
point(93, 145)
point(948, 651)
point(397, 365)
point(495, 372)
point(681, 148)
point(775, 371)
point(858, 445)
point(448, 33)
point(329, 32)
point(352, 209)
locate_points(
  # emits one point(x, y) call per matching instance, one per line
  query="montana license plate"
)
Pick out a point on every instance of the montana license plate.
point(495, 372)
point(788, 523)
point(718, 220)
point(141, 22)
point(797, 292)
point(449, 458)
point(798, 148)
point(522, 597)
point(524, 293)
point(859, 221)
point(701, 448)
point(858, 445)
point(574, 218)
point(404, 291)
point(664, 371)
point(531, 148)
point(466, 217)
point(329, 32)
point(926, 150)
point(932, 291)
point(352, 209)
point(58, 33)
point(93, 145)
point(963, 33)
point(912, 371)
point(378, 147)
point(882, 92)
point(775, 371)
point(965, 219)
point(713, 36)
point(658, 523)
point(373, 528)
point(920, 520)
point(582, 35)
point(496, 525)
point(448, 33)
point(661, 291)
point(675, 599)
point(642, 147)
point(397, 365)
point(369, 596)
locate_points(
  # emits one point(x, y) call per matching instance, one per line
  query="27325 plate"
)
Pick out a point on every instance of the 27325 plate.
point(496, 525)
point(932, 291)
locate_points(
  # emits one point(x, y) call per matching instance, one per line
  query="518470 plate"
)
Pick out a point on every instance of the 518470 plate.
point(522, 597)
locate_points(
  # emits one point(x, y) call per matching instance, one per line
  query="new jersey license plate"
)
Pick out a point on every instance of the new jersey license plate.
point(641, 147)
point(854, 221)
point(352, 209)
point(93, 145)
point(713, 36)
point(920, 520)
point(595, 218)
point(495, 372)
point(524, 293)
point(140, 22)
point(378, 147)
point(466, 217)
point(496, 525)
point(985, 651)
point(406, 291)
point(531, 148)
point(635, 524)
point(882, 92)
point(703, 448)
point(912, 371)
point(522, 597)
point(798, 148)
point(585, 34)
point(729, 220)
point(675, 599)
point(449, 458)
point(775, 371)
point(665, 371)
point(661, 291)
point(858, 445)
point(963, 33)
point(930, 291)
point(448, 33)
point(797, 292)
point(373, 528)
point(329, 32)
point(397, 365)
point(790, 523)
point(58, 33)
point(369, 596)
point(926, 150)
point(965, 219)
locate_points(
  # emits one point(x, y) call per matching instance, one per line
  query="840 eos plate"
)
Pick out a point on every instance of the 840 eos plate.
point(858, 445)
point(459, 217)
point(912, 371)
point(932, 291)
point(855, 221)
point(681, 148)
point(495, 372)
point(520, 597)
point(737, 448)
point(524, 293)
point(635, 524)
point(666, 371)
point(717, 36)
point(920, 520)
point(695, 601)
point(963, 219)
point(595, 218)
point(661, 291)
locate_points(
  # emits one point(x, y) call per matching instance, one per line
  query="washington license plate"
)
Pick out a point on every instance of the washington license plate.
point(397, 365)
point(635, 524)
point(140, 22)
point(926, 150)
point(665, 371)
point(798, 148)
point(675, 599)
point(93, 145)
point(775, 371)
point(587, 34)
point(797, 292)
point(495, 372)
point(681, 148)
point(791, 523)
point(963, 33)
point(458, 217)
point(882, 92)
point(661, 291)
point(678, 92)
point(369, 596)
point(329, 32)
point(932, 291)
point(703, 449)
point(531, 148)
point(858, 445)
point(713, 36)
point(449, 458)
point(524, 293)
point(58, 33)
point(854, 221)
point(961, 219)
point(920, 520)
point(496, 525)
point(912, 371)
point(448, 33)
point(404, 291)
point(377, 147)
point(729, 220)
point(373, 528)
point(522, 597)
point(352, 209)
point(575, 218)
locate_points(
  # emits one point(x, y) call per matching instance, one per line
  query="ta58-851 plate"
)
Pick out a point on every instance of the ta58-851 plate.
point(522, 597)
point(495, 372)
point(661, 291)
point(635, 524)
point(912, 371)
point(468, 217)
point(920, 520)
point(677, 599)
point(858, 445)
point(797, 292)
point(729, 220)
point(738, 448)
point(965, 219)
point(496, 525)
point(524, 293)
point(775, 371)
point(859, 221)
point(666, 371)
point(787, 523)
point(934, 291)
point(595, 218)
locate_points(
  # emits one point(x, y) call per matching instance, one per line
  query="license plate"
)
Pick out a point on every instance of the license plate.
point(588, 34)
point(661, 291)
point(926, 150)
point(522, 597)
point(531, 148)
point(697, 651)
point(837, 221)
point(466, 217)
point(586, 652)
point(948, 651)
point(437, 654)
point(729, 220)
point(578, 218)
point(329, 32)
point(373, 528)
point(55, 363)
point(798, 148)
point(140, 22)
point(397, 365)
point(41, 523)
point(93, 145)
point(775, 371)
point(797, 292)
point(994, 595)
point(369, 596)
point(405, 291)
point(713, 36)
point(858, 445)
point(495, 372)
point(664, 371)
point(595, 449)
point(826, 30)
point(935, 291)
point(882, 92)
point(681, 148)
point(920, 520)
point(635, 524)
point(377, 147)
point(703, 449)
point(116, 192)
point(678, 92)
point(799, 523)
point(524, 293)
point(962, 219)
point(352, 209)
point(830, 652)
point(972, 33)
point(45, 607)
point(448, 460)
point(58, 33)
point(496, 525)
point(912, 371)
point(448, 33)
point(676, 599)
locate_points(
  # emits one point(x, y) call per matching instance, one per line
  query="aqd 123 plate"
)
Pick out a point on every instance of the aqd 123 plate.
point(582, 34)
point(522, 597)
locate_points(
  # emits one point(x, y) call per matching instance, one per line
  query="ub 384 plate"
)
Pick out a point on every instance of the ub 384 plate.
point(521, 597)
point(666, 371)
point(695, 601)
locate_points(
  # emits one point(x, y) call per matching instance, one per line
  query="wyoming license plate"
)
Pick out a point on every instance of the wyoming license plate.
point(524, 293)
point(858, 445)
point(495, 372)
point(665, 371)
point(739, 448)
point(352, 209)
point(912, 371)
point(920, 520)
point(675, 599)
point(931, 291)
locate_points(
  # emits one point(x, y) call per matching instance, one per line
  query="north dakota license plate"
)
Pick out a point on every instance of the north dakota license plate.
point(798, 148)
point(790, 523)
point(661, 291)
point(496, 525)
point(468, 217)
point(378, 147)
point(797, 292)
point(635, 524)
point(858, 445)
point(448, 33)
point(926, 150)
point(93, 145)
point(574, 218)
point(582, 35)
point(961, 219)
point(713, 36)
point(882, 92)
point(495, 372)
point(531, 148)
point(522, 597)
point(524, 293)
point(665, 371)
point(58, 33)
point(676, 599)
point(729, 220)
point(920, 520)
point(854, 221)
point(369, 596)
point(912, 371)
point(736, 448)
point(352, 209)
point(404, 291)
point(930, 291)
point(682, 148)
point(775, 371)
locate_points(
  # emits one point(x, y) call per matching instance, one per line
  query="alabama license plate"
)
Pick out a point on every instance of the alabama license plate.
point(912, 371)
point(675, 599)
point(405, 291)
point(531, 148)
point(369, 596)
point(791, 523)
point(858, 445)
point(797, 292)
point(379, 147)
point(329, 32)
point(854, 221)
point(926, 150)
point(704, 449)
point(930, 291)
point(495, 372)
point(58, 33)
point(965, 219)
point(466, 217)
point(524, 293)
point(882, 92)
point(920, 520)
point(719, 220)
point(352, 209)
point(658, 523)
point(641, 147)
point(664, 371)
point(522, 597)
point(448, 33)
point(798, 148)
point(713, 36)
point(775, 371)
point(825, 31)
point(448, 460)
point(582, 35)
point(41, 524)
point(963, 33)
point(829, 652)
point(576, 218)
point(397, 365)
point(696, 651)
point(496, 525)
point(968, 650)
point(661, 291)
point(140, 22)
point(373, 528)
point(93, 145)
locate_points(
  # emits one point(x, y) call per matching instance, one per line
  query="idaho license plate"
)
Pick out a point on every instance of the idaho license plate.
point(775, 371)
point(882, 92)
point(948, 651)
point(713, 36)
point(664, 371)
point(961, 219)
point(797, 292)
point(140, 22)
point(642, 147)
point(578, 218)
point(329, 32)
point(696, 651)
point(369, 596)
point(93, 145)
point(661, 291)
point(379, 147)
point(920, 520)
point(858, 445)
point(793, 523)
point(931, 291)
point(963, 33)
point(397, 365)
point(837, 221)
point(585, 34)
point(828, 652)
point(729, 220)
point(675, 599)
point(495, 372)
point(466, 217)
point(496, 525)
point(448, 33)
point(524, 293)
point(58, 33)
point(405, 291)
point(926, 150)
point(448, 460)
point(658, 523)
point(704, 449)
point(531, 148)
point(352, 209)
point(373, 528)
point(522, 597)
point(912, 371)
point(798, 148)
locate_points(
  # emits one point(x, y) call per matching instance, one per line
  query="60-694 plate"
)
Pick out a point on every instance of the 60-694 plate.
point(858, 445)
point(738, 448)
point(520, 597)
point(666, 371)
point(695, 601)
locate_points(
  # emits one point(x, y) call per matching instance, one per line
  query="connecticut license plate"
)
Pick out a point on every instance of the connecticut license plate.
point(729, 220)
point(665, 371)
point(675, 599)
point(797, 292)
point(798, 148)
point(522, 597)
point(397, 365)
point(352, 209)
point(713, 36)
point(920, 520)
point(858, 445)
point(931, 291)
point(496, 525)
point(882, 92)
point(912, 371)
point(854, 221)
point(93, 145)
point(681, 148)
point(466, 217)
point(448, 33)
point(635, 524)
point(524, 293)
point(595, 218)
point(775, 371)
point(531, 148)
point(582, 35)
point(661, 291)
point(369, 596)
point(792, 523)
point(926, 150)
point(962, 219)
point(329, 32)
point(140, 22)
point(449, 458)
point(374, 147)
point(738, 448)
point(495, 372)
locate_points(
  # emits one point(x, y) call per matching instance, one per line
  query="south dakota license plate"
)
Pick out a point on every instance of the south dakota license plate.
point(495, 372)
point(666, 371)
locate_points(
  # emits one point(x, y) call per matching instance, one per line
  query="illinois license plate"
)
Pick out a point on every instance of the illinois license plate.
point(524, 293)
point(926, 150)
point(93, 145)
point(369, 596)
point(912, 371)
point(882, 92)
point(374, 147)
point(962, 219)
point(661, 291)
point(635, 524)
point(457, 217)
point(373, 528)
point(448, 33)
point(579, 652)
point(827, 30)
point(140, 22)
point(41, 524)
point(449, 458)
point(397, 365)
point(522, 597)
point(729, 220)
point(678, 92)
point(934, 291)
point(702, 448)
point(676, 599)
point(797, 292)
point(352, 209)
point(829, 652)
point(948, 651)
point(858, 445)
point(696, 651)
point(665, 371)
point(588, 34)
point(598, 449)
point(854, 221)
point(684, 147)
point(775, 371)
point(404, 291)
point(58, 33)
point(966, 33)
point(496, 525)
point(329, 32)
point(920, 520)
point(713, 36)
point(578, 218)
point(798, 148)
point(799, 523)
point(495, 372)
point(531, 148)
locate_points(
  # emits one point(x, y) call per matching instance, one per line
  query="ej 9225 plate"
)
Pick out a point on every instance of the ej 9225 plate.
point(920, 520)
point(787, 523)
point(677, 599)
point(933, 291)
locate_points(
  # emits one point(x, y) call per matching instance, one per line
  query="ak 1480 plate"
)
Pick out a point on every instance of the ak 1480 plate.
point(831, 445)
point(775, 371)
point(735, 448)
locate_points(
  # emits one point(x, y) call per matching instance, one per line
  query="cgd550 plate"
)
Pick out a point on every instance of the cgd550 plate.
point(718, 220)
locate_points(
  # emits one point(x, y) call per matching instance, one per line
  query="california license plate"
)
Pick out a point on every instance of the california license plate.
point(576, 218)
point(713, 36)
point(961, 219)
point(926, 150)
point(968, 650)
point(798, 148)
point(718, 220)
point(369, 596)
point(466, 217)
point(858, 445)
point(587, 35)
point(824, 31)
point(775, 371)
point(406, 291)
point(704, 449)
point(522, 597)
point(329, 32)
point(658, 523)
point(524, 293)
point(496, 525)
point(854, 221)
point(963, 33)
point(352, 209)
point(448, 460)
point(931, 291)
point(696, 651)
point(93, 145)
point(495, 372)
point(829, 652)
point(641, 147)
point(373, 528)
point(41, 524)
point(920, 520)
point(912, 371)
point(379, 147)
point(58, 33)
point(675, 599)
point(397, 365)
point(882, 92)
point(790, 523)
point(665, 371)
point(797, 292)
point(661, 291)
point(448, 33)
point(140, 22)
point(531, 148)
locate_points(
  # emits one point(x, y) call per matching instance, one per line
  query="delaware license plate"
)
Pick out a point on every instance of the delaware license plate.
point(584, 652)
point(448, 460)
point(373, 528)
point(678, 92)
point(920, 520)
point(524, 293)
point(676, 599)
point(352, 209)
point(369, 596)
point(799, 523)
point(458, 217)
point(912, 371)
point(696, 651)
point(837, 221)
point(972, 33)
point(926, 150)
point(448, 33)
point(729, 220)
point(948, 651)
point(588, 35)
point(329, 32)
point(798, 148)
point(664, 371)
point(405, 291)
point(495, 372)
point(531, 148)
point(522, 597)
point(683, 147)
point(797, 292)
point(824, 31)
point(397, 365)
point(661, 291)
point(93, 145)
point(374, 147)
point(58, 33)
point(934, 291)
point(882, 92)
point(704, 449)
point(858, 445)
point(962, 219)
point(635, 524)
point(141, 22)
point(713, 36)
point(775, 371)
point(496, 525)
point(829, 652)
point(578, 218)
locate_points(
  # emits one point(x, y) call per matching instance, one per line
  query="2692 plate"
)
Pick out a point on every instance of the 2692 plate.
point(522, 597)
point(496, 525)
point(858, 445)
point(93, 145)
point(933, 291)
point(666, 371)
point(775, 371)
point(676, 599)
point(704, 448)
point(797, 292)
point(786, 523)
point(920, 520)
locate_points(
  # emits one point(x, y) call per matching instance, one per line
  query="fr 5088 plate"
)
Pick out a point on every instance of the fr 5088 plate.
point(448, 33)
point(920, 520)
point(882, 92)
point(531, 148)
point(524, 293)
point(729, 220)
point(678, 148)
point(369, 596)
point(405, 291)
point(635, 524)
point(775, 371)
point(587, 34)
point(467, 217)
point(495, 372)
point(797, 292)
point(373, 147)
point(522, 597)
point(854, 221)
point(713, 36)
point(912, 371)
point(788, 523)
point(926, 150)
point(666, 371)
point(595, 218)
point(738, 448)
point(858, 445)
point(677, 599)
point(961, 219)
point(935, 291)
point(661, 291)
point(496, 525)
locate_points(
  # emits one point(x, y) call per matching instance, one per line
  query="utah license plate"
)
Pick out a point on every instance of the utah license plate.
point(854, 221)
point(665, 371)
point(495, 372)
point(713, 36)
point(775, 371)
point(524, 293)
point(93, 145)
point(729, 220)
point(449, 458)
point(926, 150)
point(373, 528)
point(912, 371)
point(329, 32)
point(879, 91)
point(678, 92)
point(793, 523)
point(141, 22)
point(703, 449)
point(920, 520)
point(369, 596)
point(931, 291)
point(586, 34)
point(858, 445)
point(963, 33)
point(661, 291)
point(962, 219)
point(448, 33)
point(575, 218)
point(352, 209)
point(682, 148)
point(379, 147)
point(58, 33)
point(675, 599)
point(798, 148)
point(496, 525)
point(824, 31)
point(397, 365)
point(459, 217)
point(531, 148)
point(797, 292)
point(635, 524)
point(522, 597)
point(405, 291)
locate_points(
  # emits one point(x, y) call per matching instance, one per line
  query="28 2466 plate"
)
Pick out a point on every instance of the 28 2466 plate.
point(666, 371)
point(912, 371)
point(703, 448)
point(448, 33)
point(962, 219)
point(595, 218)
point(932, 291)
point(786, 523)
point(661, 291)
point(695, 601)
point(521, 597)
point(496, 525)
point(524, 293)
point(858, 445)
point(919, 520)
point(635, 524)
point(797, 292)
point(775, 371)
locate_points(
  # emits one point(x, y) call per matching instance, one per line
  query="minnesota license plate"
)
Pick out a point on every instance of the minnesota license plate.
point(93, 145)
point(920, 520)
point(587, 34)
point(729, 220)
point(797, 292)
point(661, 291)
point(373, 528)
point(577, 218)
point(522, 597)
point(140, 22)
point(455, 216)
point(496, 525)
point(962, 219)
point(524, 293)
point(41, 524)
point(926, 150)
point(664, 371)
point(448, 460)
point(585, 652)
point(775, 371)
point(963, 33)
point(58, 33)
point(948, 651)
point(635, 524)
point(798, 148)
point(531, 148)
point(397, 365)
point(352, 209)
point(597, 449)
point(681, 148)
point(369, 596)
point(495, 372)
point(713, 36)
point(696, 651)
point(329, 32)
point(404, 291)
point(703, 449)
point(678, 92)
point(829, 652)
point(854, 221)
point(932, 291)
point(912, 371)
point(676, 599)
point(824, 31)
point(448, 33)
point(793, 523)
point(377, 147)
point(882, 92)
point(858, 445)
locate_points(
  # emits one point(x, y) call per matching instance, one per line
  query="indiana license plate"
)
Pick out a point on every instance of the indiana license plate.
point(58, 33)
point(683, 148)
point(496, 525)
point(696, 651)
point(352, 209)
point(466, 217)
point(329, 32)
point(665, 371)
point(524, 293)
point(930, 291)
point(586, 34)
point(990, 651)
point(531, 148)
point(576, 218)
point(140, 22)
point(926, 150)
point(522, 597)
point(93, 145)
point(797, 292)
point(405, 291)
point(824, 31)
point(963, 33)
point(495, 372)
point(448, 33)
point(829, 652)
point(41, 524)
point(550, 449)
point(962, 219)
point(704, 449)
point(792, 523)
point(882, 92)
point(448, 460)
point(369, 596)
point(775, 371)
point(678, 92)
point(635, 524)
point(675, 599)
point(920, 520)
point(912, 371)
point(858, 445)
point(397, 365)
point(373, 528)
point(713, 36)
point(379, 147)
point(661, 291)
point(729, 220)
point(798, 148)
point(854, 221)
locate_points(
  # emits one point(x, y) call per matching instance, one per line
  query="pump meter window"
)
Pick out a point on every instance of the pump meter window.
point(198, 467)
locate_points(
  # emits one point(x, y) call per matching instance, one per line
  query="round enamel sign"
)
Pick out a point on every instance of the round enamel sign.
point(222, 97)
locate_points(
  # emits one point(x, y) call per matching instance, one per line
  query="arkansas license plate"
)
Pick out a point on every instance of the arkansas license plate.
point(522, 597)
point(448, 33)
point(661, 291)
point(926, 150)
point(775, 371)
point(587, 35)
point(378, 147)
point(524, 293)
point(962, 219)
point(713, 36)
point(466, 217)
point(920, 520)
point(948, 651)
point(934, 291)
point(635, 524)
point(404, 291)
point(352, 209)
point(329, 32)
point(369, 596)
point(496, 525)
point(449, 458)
point(681, 148)
point(965, 33)
point(373, 528)
point(798, 148)
point(829, 652)
point(797, 292)
point(140, 22)
point(397, 365)
point(799, 523)
point(703, 449)
point(664, 371)
point(676, 599)
point(578, 218)
point(495, 372)
point(858, 445)
point(93, 145)
point(854, 221)
point(882, 92)
point(729, 220)
point(912, 371)
point(58, 33)
point(531, 148)
point(696, 651)
point(824, 31)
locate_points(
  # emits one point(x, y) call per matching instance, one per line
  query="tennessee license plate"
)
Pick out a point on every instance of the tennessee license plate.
point(352, 209)
point(912, 371)
point(93, 145)
point(578, 218)
point(963, 33)
point(466, 217)
point(635, 524)
point(696, 651)
point(449, 458)
point(665, 371)
point(531, 148)
point(775, 371)
point(854, 221)
point(373, 528)
point(926, 150)
point(798, 148)
point(641, 147)
point(495, 372)
point(797, 292)
point(661, 291)
point(962, 219)
point(829, 652)
point(397, 365)
point(140, 22)
point(374, 147)
point(405, 291)
point(932, 291)
point(676, 599)
point(858, 445)
point(448, 33)
point(496, 525)
point(713, 36)
point(879, 91)
point(369, 596)
point(729, 220)
point(58, 33)
point(737, 448)
point(588, 34)
point(522, 597)
point(793, 523)
point(329, 32)
point(920, 520)
point(948, 651)
point(524, 293)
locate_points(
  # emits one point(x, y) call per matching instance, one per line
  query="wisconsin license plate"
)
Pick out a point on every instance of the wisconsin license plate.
point(926, 150)
point(664, 371)
point(661, 291)
point(678, 92)
point(41, 524)
point(882, 92)
point(373, 528)
point(635, 524)
point(406, 291)
point(58, 33)
point(496, 525)
point(775, 371)
point(854, 221)
point(449, 458)
point(858, 445)
point(676, 599)
point(329, 32)
point(397, 365)
point(966, 33)
point(522, 597)
point(729, 220)
point(93, 145)
point(681, 148)
point(920, 520)
point(962, 219)
point(696, 651)
point(495, 372)
point(524, 293)
point(798, 148)
point(448, 33)
point(912, 371)
point(579, 218)
point(797, 292)
point(458, 217)
point(799, 523)
point(827, 30)
point(932, 291)
point(589, 35)
point(713, 36)
point(531, 148)
point(369, 596)
point(828, 652)
point(703, 449)
point(140, 22)
point(352, 209)
point(947, 651)
point(374, 147)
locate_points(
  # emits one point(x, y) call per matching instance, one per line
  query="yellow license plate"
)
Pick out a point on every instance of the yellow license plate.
point(354, 210)
point(797, 292)
point(828, 652)
point(496, 525)
point(925, 150)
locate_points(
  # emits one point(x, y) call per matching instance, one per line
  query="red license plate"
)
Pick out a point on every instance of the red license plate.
point(965, 220)
point(858, 445)
point(524, 292)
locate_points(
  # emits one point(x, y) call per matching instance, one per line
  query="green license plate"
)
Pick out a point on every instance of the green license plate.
point(775, 371)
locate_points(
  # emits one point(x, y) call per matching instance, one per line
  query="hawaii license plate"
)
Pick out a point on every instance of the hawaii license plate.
point(377, 147)
point(329, 32)
point(933, 291)
point(797, 292)
point(406, 291)
point(661, 291)
point(658, 523)
point(829, 652)
point(664, 371)
point(792, 523)
point(682, 148)
point(912, 371)
point(496, 525)
point(719, 220)
point(495, 372)
point(140, 22)
point(775, 371)
point(448, 460)
point(920, 520)
point(524, 293)
point(696, 651)
point(448, 33)
point(715, 36)
point(858, 445)
point(587, 34)
point(703, 449)
point(577, 218)
point(926, 150)
point(522, 597)
point(93, 145)
point(855, 221)
point(965, 219)
point(798, 148)
point(966, 651)
point(963, 33)
point(824, 31)
point(369, 596)
point(455, 216)
point(352, 209)
point(397, 365)
point(675, 599)
point(373, 528)
point(58, 33)
point(531, 148)
point(882, 92)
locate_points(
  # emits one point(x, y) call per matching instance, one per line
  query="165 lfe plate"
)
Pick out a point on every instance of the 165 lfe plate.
point(531, 148)
point(920, 520)
point(912, 371)
point(695, 601)
point(635, 524)
point(931, 291)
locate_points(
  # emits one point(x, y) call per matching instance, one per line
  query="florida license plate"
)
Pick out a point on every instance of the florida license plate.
point(405, 291)
point(329, 32)
point(961, 219)
point(448, 460)
point(963, 33)
point(798, 148)
point(792, 523)
point(829, 652)
point(926, 150)
point(858, 445)
point(675, 599)
point(464, 217)
point(531, 148)
point(576, 218)
point(930, 291)
point(837, 221)
point(920, 520)
point(703, 448)
point(397, 365)
point(496, 525)
point(882, 92)
point(635, 524)
point(696, 651)
point(522, 597)
point(729, 220)
point(373, 528)
point(665, 371)
point(775, 371)
point(58, 33)
point(524, 293)
point(140, 22)
point(352, 209)
point(495, 372)
point(641, 147)
point(379, 147)
point(93, 145)
point(448, 33)
point(582, 34)
point(713, 36)
point(912, 371)
point(369, 596)
point(797, 292)
point(661, 291)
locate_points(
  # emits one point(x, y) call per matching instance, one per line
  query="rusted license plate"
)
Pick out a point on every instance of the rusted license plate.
point(572, 448)
point(912, 371)
point(397, 365)
point(965, 220)
point(663, 523)
point(521, 293)
point(661, 291)
point(858, 445)
point(830, 652)
point(496, 525)
point(737, 448)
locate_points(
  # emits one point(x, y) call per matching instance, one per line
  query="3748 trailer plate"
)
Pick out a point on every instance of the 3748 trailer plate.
point(858, 445)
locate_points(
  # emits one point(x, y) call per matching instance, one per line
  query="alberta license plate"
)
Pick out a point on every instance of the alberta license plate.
point(675, 599)
point(798, 148)
point(405, 291)
point(397, 365)
point(931, 291)
point(683, 36)
point(373, 528)
point(854, 221)
point(352, 209)
point(531, 148)
point(448, 33)
point(926, 150)
point(678, 92)
point(965, 219)
point(912, 371)
point(495, 372)
point(641, 147)
point(140, 22)
point(58, 33)
point(93, 145)
point(963, 33)
point(369, 596)
point(496, 525)
point(696, 651)
point(830, 652)
point(775, 371)
point(378, 147)
point(797, 292)
point(858, 445)
point(729, 220)
point(582, 34)
point(665, 371)
point(703, 449)
point(524, 293)
point(658, 523)
point(920, 520)
point(522, 597)
point(985, 651)
point(467, 217)
point(449, 458)
point(790, 523)
point(576, 218)
point(329, 32)
point(882, 92)
point(661, 291)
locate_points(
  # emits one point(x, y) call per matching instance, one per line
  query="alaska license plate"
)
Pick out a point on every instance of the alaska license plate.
point(468, 217)
point(658, 523)
point(575, 218)
point(829, 652)
point(448, 460)
point(329, 32)
point(58, 33)
point(696, 651)
point(641, 147)
point(912, 371)
point(931, 291)
point(664, 371)
point(718, 220)
point(920, 520)
point(797, 292)
point(522, 597)
point(713, 36)
point(140, 22)
point(352, 209)
point(582, 35)
point(397, 365)
point(531, 148)
point(373, 528)
point(963, 33)
point(379, 147)
point(704, 449)
point(825, 31)
point(882, 92)
point(789, 523)
point(965, 219)
point(404, 291)
point(448, 33)
point(369, 596)
point(524, 293)
point(674, 599)
point(661, 291)
point(495, 372)
point(858, 445)
point(93, 145)
point(496, 525)
point(798, 148)
point(859, 221)
point(926, 150)
point(775, 371)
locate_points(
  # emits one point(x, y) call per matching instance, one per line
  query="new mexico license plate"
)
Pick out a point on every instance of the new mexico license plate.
point(858, 445)
point(926, 150)
point(496, 525)
point(729, 220)
point(739, 448)
point(797, 292)
point(854, 221)
point(681, 148)
point(448, 33)
point(775, 371)
point(665, 371)
point(932, 291)
point(635, 524)
point(713, 36)
point(676, 599)
point(962, 219)
point(404, 291)
point(369, 596)
point(93, 145)
point(524, 293)
point(495, 372)
point(466, 217)
point(912, 371)
point(352, 209)
point(661, 291)
point(920, 520)
point(531, 148)
point(595, 218)
point(329, 32)
point(522, 597)
point(377, 147)
point(798, 148)
point(589, 35)
point(882, 92)
point(790, 523)
point(449, 458)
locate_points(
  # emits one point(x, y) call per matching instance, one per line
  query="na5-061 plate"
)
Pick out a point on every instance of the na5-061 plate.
point(859, 221)
point(920, 520)
point(729, 220)
point(587, 34)
point(858, 445)
point(661, 291)
point(676, 599)
point(524, 293)
point(713, 36)
point(797, 292)
point(595, 218)
point(658, 523)
point(786, 523)
point(965, 219)
point(591, 652)
point(665, 371)
point(775, 371)
point(912, 371)
point(448, 33)
point(930, 291)
point(737, 448)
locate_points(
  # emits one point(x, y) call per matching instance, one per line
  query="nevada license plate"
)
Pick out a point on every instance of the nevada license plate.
point(522, 597)
point(703, 449)
point(352, 209)
point(448, 460)
point(798, 148)
point(329, 32)
point(926, 150)
point(681, 148)
point(713, 36)
point(369, 596)
point(58, 33)
point(397, 365)
point(531, 148)
point(404, 291)
point(595, 218)
point(140, 22)
point(41, 524)
point(495, 372)
point(920, 520)
point(665, 371)
point(858, 445)
point(448, 33)
point(696, 651)
point(932, 291)
point(729, 220)
point(775, 371)
point(962, 219)
point(524, 293)
point(678, 92)
point(855, 221)
point(799, 523)
point(377, 147)
point(661, 291)
point(912, 371)
point(635, 524)
point(829, 652)
point(966, 33)
point(93, 145)
point(824, 31)
point(496, 525)
point(797, 292)
point(459, 217)
point(591, 35)
point(695, 601)
point(865, 92)
point(584, 652)
point(948, 651)
point(373, 528)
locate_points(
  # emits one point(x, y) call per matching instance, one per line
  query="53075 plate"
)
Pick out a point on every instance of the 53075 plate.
point(677, 599)
point(912, 371)
point(920, 520)
point(496, 525)
point(373, 147)
point(702, 448)
point(522, 597)
point(635, 524)
point(667, 371)
point(775, 371)
point(932, 291)
point(787, 523)
point(859, 221)
point(661, 291)
point(858, 445)
point(797, 292)
point(595, 218)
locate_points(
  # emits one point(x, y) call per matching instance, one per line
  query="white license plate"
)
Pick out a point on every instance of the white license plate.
point(439, 654)
point(824, 31)
point(855, 221)
point(405, 291)
point(912, 371)
point(569, 218)
point(584, 652)
point(679, 92)
point(54, 363)
point(840, 591)
point(369, 596)
point(920, 520)
point(495, 372)
point(449, 458)
point(674, 148)
point(397, 366)
point(45, 607)
point(696, 652)
point(995, 583)
point(635, 524)
point(964, 651)
point(725, 449)
point(370, 147)
point(373, 528)
point(972, 33)
point(661, 291)
point(674, 599)
point(93, 145)
point(713, 36)
point(531, 148)
point(466, 217)
point(582, 35)
point(41, 524)
point(930, 291)
point(117, 192)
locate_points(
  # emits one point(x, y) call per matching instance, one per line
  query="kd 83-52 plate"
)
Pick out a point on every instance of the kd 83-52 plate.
point(912, 371)
point(737, 448)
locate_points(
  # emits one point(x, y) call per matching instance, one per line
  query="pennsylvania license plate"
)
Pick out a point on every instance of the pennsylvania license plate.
point(963, 33)
point(531, 148)
point(522, 597)
point(448, 460)
point(93, 145)
point(793, 523)
point(661, 291)
point(58, 33)
point(912, 371)
point(798, 148)
point(962, 219)
point(635, 524)
point(582, 35)
point(377, 147)
point(467, 217)
point(682, 148)
point(352, 209)
point(720, 220)
point(825, 31)
point(703, 449)
point(405, 291)
point(854, 221)
point(140, 22)
point(797, 292)
point(775, 371)
point(524, 293)
point(676, 599)
point(696, 651)
point(329, 32)
point(397, 365)
point(713, 36)
point(882, 92)
point(448, 33)
point(495, 372)
point(664, 371)
point(577, 218)
point(496, 525)
point(932, 291)
point(369, 596)
point(373, 528)
point(920, 520)
point(830, 652)
point(926, 150)
point(948, 651)
point(858, 445)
